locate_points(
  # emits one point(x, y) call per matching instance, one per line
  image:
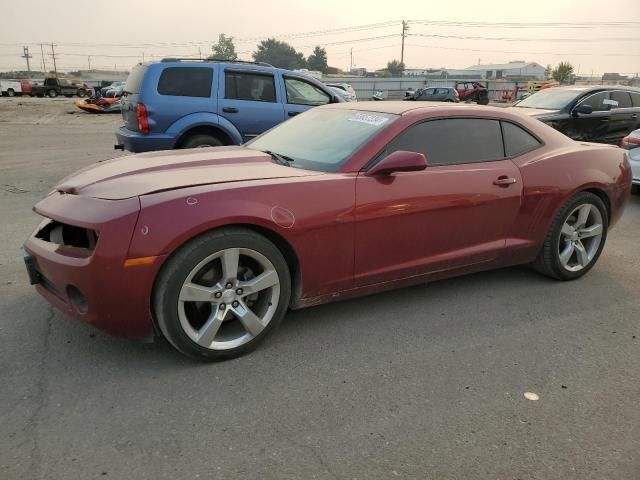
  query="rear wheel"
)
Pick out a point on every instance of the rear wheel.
point(80, 93)
point(11, 93)
point(201, 141)
point(576, 238)
point(221, 294)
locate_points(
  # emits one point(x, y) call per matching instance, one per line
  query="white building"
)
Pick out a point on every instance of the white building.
point(516, 69)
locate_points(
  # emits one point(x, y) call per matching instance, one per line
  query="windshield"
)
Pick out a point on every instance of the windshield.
point(550, 99)
point(322, 139)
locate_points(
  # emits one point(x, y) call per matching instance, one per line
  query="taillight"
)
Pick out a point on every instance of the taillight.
point(143, 118)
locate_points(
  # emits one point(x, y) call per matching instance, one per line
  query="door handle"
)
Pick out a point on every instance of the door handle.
point(504, 181)
point(635, 115)
point(230, 110)
point(293, 114)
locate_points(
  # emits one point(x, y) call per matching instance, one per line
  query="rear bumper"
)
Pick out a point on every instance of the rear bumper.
point(94, 286)
point(137, 142)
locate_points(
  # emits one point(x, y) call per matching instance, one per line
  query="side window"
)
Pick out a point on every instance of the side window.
point(635, 97)
point(599, 101)
point(620, 100)
point(453, 141)
point(249, 86)
point(442, 91)
point(517, 140)
point(300, 92)
point(185, 82)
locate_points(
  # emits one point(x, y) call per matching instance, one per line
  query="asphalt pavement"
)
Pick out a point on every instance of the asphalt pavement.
point(427, 382)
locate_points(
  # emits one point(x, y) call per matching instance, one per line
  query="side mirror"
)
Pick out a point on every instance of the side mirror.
point(398, 161)
point(584, 108)
point(335, 99)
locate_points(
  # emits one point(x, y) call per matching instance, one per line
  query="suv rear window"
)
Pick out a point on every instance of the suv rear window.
point(134, 81)
point(249, 86)
point(186, 81)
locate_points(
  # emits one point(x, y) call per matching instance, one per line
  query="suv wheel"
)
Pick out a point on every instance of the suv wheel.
point(52, 93)
point(201, 141)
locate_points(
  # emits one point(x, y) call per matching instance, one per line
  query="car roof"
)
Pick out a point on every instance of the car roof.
point(589, 88)
point(401, 107)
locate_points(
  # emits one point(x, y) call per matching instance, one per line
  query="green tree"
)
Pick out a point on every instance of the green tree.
point(548, 71)
point(318, 60)
point(225, 49)
point(563, 73)
point(279, 54)
point(395, 68)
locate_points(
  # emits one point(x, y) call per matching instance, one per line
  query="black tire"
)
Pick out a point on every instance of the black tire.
point(183, 261)
point(52, 93)
point(11, 93)
point(201, 141)
point(80, 93)
point(548, 260)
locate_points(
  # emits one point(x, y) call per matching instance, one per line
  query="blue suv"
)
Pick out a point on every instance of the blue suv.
point(178, 103)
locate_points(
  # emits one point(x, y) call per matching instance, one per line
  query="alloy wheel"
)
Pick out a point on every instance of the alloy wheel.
point(229, 298)
point(580, 237)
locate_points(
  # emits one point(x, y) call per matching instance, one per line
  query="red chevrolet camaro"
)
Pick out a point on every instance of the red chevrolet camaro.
point(210, 247)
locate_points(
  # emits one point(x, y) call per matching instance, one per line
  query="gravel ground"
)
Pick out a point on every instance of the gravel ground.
point(423, 383)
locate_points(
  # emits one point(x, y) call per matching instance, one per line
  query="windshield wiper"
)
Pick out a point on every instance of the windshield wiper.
point(281, 159)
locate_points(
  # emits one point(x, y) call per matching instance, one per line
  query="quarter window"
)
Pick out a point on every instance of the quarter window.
point(249, 86)
point(517, 140)
point(636, 99)
point(186, 82)
point(300, 92)
point(453, 141)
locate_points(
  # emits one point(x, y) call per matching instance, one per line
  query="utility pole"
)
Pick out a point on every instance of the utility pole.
point(89, 61)
point(26, 56)
point(405, 29)
point(53, 54)
point(44, 65)
point(351, 61)
point(200, 53)
point(142, 57)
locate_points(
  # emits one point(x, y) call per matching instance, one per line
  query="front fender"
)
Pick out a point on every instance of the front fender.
point(200, 119)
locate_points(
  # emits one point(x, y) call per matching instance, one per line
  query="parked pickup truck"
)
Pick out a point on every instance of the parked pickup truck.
point(54, 87)
point(10, 88)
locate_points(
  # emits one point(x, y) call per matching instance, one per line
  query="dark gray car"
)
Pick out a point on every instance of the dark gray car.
point(436, 94)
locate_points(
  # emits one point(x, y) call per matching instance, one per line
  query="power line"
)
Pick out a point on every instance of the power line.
point(522, 39)
point(438, 47)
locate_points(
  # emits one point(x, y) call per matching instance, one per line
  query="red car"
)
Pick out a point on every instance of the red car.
point(210, 247)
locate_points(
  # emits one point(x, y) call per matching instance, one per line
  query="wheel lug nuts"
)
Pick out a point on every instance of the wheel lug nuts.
point(235, 304)
point(223, 306)
point(218, 294)
point(239, 291)
point(229, 285)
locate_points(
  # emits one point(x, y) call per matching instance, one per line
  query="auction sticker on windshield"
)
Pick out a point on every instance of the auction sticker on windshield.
point(375, 120)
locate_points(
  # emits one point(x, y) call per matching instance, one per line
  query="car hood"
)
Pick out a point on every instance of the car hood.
point(535, 112)
point(146, 173)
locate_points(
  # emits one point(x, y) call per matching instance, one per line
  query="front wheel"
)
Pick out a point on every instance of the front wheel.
point(52, 93)
point(221, 294)
point(576, 238)
point(80, 93)
point(11, 93)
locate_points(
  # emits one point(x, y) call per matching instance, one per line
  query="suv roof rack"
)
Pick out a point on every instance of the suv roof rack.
point(172, 59)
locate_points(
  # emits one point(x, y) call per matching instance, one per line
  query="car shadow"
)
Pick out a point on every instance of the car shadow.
point(500, 298)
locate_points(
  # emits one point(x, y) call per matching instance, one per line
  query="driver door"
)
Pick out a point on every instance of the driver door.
point(457, 212)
